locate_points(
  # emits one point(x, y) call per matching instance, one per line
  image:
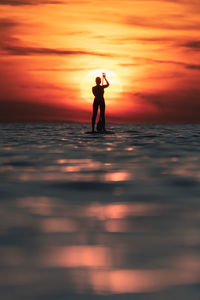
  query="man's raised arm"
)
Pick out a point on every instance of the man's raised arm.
point(106, 85)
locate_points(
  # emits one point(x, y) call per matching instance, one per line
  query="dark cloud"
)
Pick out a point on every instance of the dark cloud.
point(60, 69)
point(171, 24)
point(14, 2)
point(7, 27)
point(42, 86)
point(195, 45)
point(182, 64)
point(193, 67)
point(11, 45)
point(37, 2)
point(153, 39)
point(144, 40)
point(181, 100)
point(138, 61)
point(27, 111)
point(25, 51)
point(28, 2)
point(6, 23)
point(181, 106)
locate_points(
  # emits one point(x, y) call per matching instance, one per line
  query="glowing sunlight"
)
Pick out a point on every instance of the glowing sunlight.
point(112, 93)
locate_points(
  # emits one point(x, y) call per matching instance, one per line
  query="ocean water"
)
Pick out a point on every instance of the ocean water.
point(99, 216)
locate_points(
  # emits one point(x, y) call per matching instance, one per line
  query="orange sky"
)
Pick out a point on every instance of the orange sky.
point(48, 48)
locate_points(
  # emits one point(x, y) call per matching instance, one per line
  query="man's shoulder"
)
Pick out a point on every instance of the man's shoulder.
point(97, 87)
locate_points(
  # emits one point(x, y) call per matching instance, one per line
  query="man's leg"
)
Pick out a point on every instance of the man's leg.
point(102, 113)
point(95, 110)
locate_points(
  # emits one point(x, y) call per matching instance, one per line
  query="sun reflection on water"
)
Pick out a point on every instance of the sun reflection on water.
point(117, 176)
point(78, 256)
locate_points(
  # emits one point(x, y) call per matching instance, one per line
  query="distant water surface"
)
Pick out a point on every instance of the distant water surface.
point(99, 216)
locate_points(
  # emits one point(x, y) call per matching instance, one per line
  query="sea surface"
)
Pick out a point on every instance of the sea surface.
point(87, 216)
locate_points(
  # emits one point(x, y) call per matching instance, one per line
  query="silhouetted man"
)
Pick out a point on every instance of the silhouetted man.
point(98, 92)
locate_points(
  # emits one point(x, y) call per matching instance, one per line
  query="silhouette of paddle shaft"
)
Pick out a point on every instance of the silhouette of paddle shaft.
point(98, 92)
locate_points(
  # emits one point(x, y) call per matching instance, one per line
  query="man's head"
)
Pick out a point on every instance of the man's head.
point(98, 80)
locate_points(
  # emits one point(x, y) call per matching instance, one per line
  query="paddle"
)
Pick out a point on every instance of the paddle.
point(103, 76)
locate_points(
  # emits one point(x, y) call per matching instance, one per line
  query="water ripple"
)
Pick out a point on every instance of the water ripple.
point(112, 216)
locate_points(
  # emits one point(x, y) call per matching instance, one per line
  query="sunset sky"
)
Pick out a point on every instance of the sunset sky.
point(50, 51)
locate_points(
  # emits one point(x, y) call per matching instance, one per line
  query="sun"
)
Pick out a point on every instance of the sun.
point(111, 93)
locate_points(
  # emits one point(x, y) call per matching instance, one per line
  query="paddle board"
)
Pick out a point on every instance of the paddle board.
point(96, 132)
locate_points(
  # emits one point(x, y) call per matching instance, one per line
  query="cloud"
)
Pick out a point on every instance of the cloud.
point(7, 23)
point(25, 51)
point(27, 111)
point(28, 2)
point(38, 2)
point(143, 60)
point(141, 40)
point(193, 67)
point(195, 45)
point(177, 106)
point(170, 24)
point(42, 86)
point(60, 69)
point(7, 27)
point(151, 39)
point(183, 101)
point(14, 2)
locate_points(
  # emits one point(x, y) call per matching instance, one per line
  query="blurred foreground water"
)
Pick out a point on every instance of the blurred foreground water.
point(99, 216)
